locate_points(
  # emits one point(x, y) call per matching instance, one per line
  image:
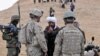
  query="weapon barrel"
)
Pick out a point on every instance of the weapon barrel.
point(4, 27)
point(19, 12)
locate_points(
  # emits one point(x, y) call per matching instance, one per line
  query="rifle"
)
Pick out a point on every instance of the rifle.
point(8, 28)
point(2, 27)
point(18, 5)
point(19, 44)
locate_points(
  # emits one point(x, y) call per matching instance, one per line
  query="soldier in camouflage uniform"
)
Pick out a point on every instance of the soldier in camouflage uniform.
point(12, 37)
point(35, 41)
point(70, 40)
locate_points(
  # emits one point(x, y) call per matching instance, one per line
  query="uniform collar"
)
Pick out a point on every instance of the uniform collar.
point(69, 24)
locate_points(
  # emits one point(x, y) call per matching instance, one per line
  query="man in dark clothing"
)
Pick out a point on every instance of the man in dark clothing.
point(47, 0)
point(53, 0)
point(50, 34)
point(63, 5)
point(39, 1)
point(52, 12)
point(72, 7)
point(72, 0)
point(34, 1)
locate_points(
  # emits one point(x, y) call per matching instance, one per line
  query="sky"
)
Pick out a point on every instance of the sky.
point(5, 4)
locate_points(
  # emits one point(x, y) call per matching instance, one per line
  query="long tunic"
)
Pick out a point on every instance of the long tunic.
point(50, 38)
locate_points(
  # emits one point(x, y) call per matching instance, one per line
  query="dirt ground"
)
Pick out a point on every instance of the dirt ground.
point(87, 14)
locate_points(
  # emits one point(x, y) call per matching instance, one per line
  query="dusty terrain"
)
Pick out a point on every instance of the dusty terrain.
point(87, 14)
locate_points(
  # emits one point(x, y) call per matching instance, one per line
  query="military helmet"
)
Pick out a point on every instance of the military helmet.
point(69, 14)
point(15, 17)
point(37, 12)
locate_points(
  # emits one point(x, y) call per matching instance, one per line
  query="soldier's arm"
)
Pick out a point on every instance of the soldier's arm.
point(41, 39)
point(58, 44)
point(84, 37)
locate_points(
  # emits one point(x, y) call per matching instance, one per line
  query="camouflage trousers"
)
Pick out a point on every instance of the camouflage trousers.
point(33, 51)
point(13, 51)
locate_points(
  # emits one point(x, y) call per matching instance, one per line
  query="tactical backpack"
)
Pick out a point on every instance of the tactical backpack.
point(22, 36)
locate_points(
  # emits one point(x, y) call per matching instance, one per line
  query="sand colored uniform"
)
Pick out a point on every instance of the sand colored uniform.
point(69, 42)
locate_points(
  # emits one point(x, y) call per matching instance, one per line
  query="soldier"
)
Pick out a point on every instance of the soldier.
point(50, 34)
point(11, 37)
point(70, 40)
point(35, 41)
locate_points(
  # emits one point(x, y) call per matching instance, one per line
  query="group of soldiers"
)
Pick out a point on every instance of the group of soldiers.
point(53, 41)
